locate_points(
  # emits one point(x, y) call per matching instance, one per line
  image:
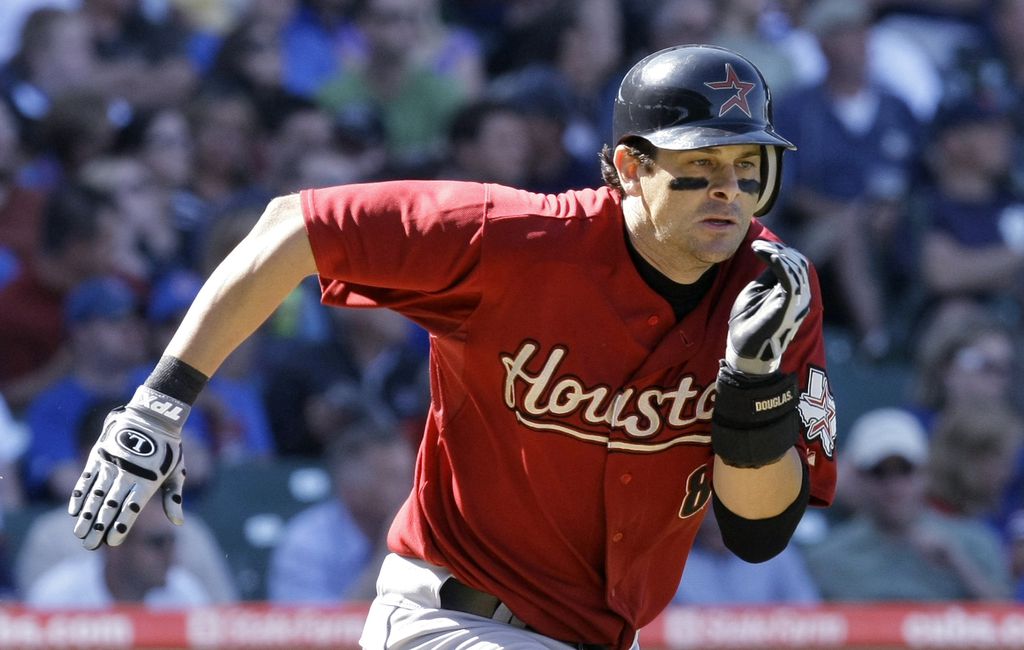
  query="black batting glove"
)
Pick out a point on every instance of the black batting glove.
point(755, 420)
point(769, 310)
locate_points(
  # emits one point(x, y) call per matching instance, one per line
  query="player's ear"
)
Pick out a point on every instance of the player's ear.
point(629, 168)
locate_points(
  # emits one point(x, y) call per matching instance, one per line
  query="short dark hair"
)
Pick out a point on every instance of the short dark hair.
point(638, 147)
point(72, 214)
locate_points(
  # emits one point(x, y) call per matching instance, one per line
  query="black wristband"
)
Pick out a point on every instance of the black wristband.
point(755, 420)
point(745, 401)
point(175, 378)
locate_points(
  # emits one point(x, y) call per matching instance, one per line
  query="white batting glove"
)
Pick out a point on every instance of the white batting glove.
point(769, 310)
point(137, 453)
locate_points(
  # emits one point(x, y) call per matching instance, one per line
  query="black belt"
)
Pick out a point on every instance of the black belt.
point(463, 598)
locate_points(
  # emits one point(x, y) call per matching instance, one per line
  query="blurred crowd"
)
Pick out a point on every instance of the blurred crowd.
point(141, 139)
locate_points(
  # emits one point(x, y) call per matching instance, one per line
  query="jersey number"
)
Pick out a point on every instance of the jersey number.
point(698, 491)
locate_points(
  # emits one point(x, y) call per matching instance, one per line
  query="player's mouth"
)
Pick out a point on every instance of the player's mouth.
point(718, 221)
point(718, 215)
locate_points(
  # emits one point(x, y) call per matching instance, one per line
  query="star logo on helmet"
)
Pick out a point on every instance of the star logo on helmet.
point(732, 82)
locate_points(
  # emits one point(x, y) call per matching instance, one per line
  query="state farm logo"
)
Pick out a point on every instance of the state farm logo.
point(135, 442)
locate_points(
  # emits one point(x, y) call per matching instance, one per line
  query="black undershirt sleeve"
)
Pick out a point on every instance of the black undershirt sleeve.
point(758, 540)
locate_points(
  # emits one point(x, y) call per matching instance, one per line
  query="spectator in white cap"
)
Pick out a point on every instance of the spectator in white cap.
point(895, 546)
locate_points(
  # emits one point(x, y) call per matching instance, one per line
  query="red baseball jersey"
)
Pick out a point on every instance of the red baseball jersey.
point(566, 462)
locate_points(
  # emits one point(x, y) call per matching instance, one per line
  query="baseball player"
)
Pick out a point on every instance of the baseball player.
point(606, 364)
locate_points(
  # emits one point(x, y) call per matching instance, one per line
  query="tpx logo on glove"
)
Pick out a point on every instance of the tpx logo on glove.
point(167, 409)
point(135, 442)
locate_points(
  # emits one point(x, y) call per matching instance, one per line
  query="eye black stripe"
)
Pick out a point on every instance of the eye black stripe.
point(749, 185)
point(684, 183)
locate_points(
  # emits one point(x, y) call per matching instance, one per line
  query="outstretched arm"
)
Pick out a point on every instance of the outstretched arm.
point(139, 451)
point(246, 287)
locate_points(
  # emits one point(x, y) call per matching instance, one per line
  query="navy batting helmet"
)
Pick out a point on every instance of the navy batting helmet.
point(695, 96)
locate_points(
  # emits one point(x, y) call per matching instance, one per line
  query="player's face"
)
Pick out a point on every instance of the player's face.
point(699, 203)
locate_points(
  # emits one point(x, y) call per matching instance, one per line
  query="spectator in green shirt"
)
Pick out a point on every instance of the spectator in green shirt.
point(895, 546)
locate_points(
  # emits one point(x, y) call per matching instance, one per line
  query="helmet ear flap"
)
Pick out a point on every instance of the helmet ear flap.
point(771, 179)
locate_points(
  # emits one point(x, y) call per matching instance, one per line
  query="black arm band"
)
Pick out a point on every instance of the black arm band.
point(175, 378)
point(755, 420)
point(758, 540)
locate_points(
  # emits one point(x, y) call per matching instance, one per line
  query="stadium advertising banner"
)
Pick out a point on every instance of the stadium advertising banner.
point(258, 626)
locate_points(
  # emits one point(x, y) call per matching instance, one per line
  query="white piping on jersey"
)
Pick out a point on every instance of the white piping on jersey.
point(621, 445)
point(550, 426)
point(693, 438)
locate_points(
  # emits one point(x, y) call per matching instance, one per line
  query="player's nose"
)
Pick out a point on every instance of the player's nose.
point(724, 184)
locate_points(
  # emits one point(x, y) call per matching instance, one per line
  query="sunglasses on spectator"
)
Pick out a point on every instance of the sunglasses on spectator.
point(890, 468)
